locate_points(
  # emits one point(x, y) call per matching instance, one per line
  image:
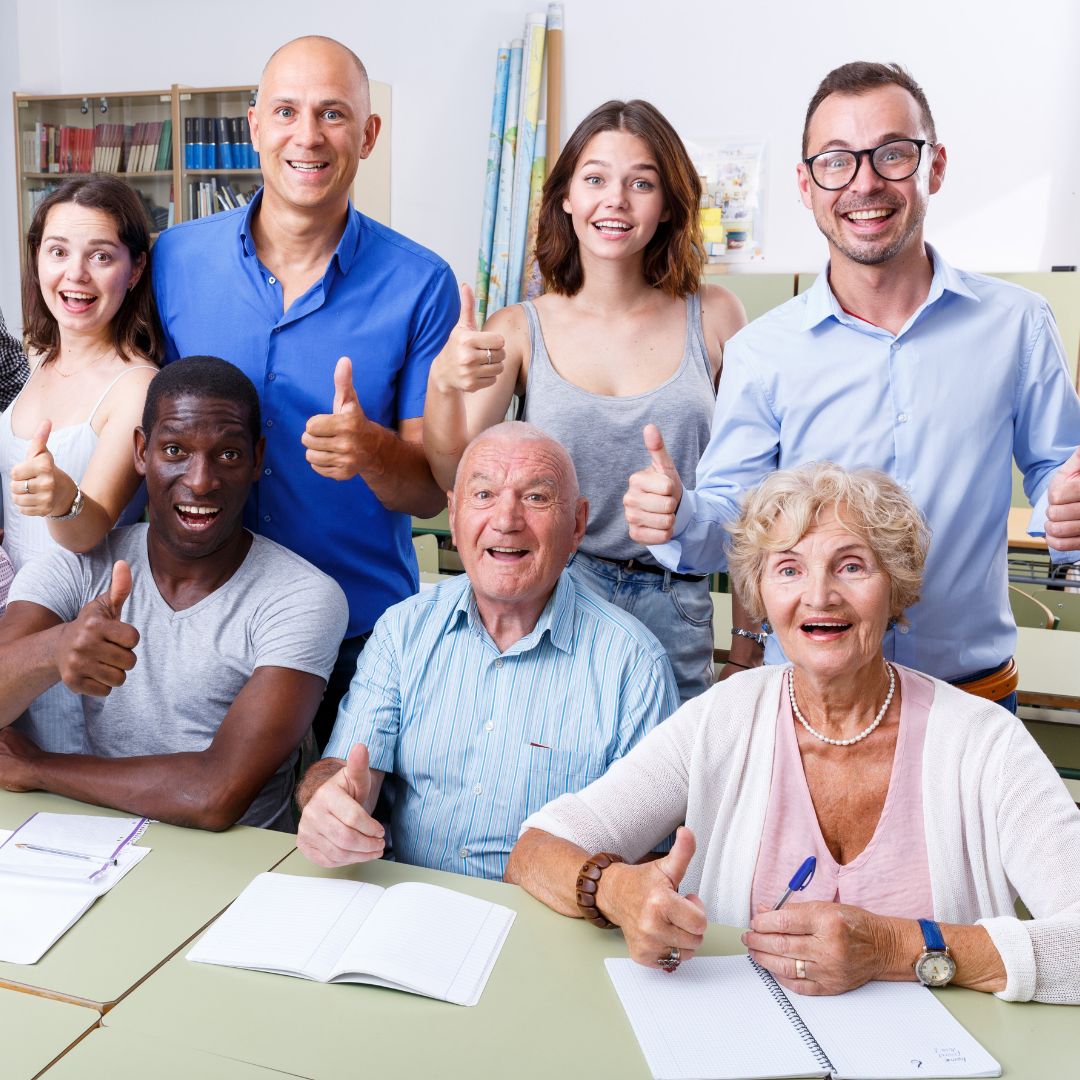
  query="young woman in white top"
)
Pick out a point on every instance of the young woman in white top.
point(626, 335)
point(93, 336)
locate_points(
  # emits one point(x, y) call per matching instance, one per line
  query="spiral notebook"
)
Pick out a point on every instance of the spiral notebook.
point(722, 1017)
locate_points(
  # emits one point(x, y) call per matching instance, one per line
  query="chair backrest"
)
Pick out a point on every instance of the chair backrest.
point(1028, 611)
point(1064, 606)
point(427, 553)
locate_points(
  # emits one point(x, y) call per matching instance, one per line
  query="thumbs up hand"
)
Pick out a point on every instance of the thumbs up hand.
point(470, 359)
point(339, 443)
point(653, 494)
point(1063, 511)
point(644, 900)
point(97, 650)
point(38, 487)
point(336, 828)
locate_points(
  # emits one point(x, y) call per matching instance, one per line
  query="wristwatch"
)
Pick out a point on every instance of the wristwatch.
point(935, 965)
point(76, 507)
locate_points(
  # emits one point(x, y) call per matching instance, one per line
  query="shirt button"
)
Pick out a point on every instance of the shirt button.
point(464, 852)
point(499, 663)
point(490, 725)
point(904, 629)
point(266, 517)
point(478, 790)
point(907, 487)
point(273, 280)
point(903, 417)
point(271, 376)
point(269, 423)
point(266, 472)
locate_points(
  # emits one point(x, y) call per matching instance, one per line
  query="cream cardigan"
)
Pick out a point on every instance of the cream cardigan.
point(999, 821)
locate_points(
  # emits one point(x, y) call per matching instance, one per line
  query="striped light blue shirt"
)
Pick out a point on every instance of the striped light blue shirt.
point(476, 739)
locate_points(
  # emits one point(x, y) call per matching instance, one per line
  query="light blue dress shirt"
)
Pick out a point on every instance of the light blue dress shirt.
point(477, 739)
point(976, 376)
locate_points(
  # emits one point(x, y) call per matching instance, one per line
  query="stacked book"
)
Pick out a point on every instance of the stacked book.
point(116, 148)
point(218, 142)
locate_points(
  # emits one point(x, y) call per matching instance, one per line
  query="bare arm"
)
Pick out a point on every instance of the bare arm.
point(466, 394)
point(208, 789)
point(743, 652)
point(722, 316)
point(29, 635)
point(338, 798)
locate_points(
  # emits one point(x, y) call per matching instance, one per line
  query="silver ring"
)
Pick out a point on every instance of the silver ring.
point(800, 969)
point(671, 961)
point(489, 360)
point(26, 487)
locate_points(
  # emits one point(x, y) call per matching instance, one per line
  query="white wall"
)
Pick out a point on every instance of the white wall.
point(1002, 79)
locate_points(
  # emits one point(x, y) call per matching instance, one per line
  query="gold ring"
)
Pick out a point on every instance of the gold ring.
point(800, 969)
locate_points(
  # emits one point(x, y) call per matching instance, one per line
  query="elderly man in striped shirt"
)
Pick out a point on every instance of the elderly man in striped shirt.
point(477, 702)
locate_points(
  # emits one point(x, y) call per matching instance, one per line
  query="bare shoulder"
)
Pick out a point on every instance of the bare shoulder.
point(126, 396)
point(722, 312)
point(513, 324)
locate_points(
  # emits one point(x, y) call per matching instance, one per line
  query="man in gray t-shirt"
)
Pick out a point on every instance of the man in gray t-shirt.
point(201, 651)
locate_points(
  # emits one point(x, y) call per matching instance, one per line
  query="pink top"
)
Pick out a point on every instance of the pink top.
point(891, 875)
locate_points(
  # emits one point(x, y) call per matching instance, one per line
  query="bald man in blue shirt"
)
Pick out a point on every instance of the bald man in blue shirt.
point(336, 320)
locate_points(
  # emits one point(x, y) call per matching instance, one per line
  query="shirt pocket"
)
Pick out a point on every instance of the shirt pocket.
point(546, 773)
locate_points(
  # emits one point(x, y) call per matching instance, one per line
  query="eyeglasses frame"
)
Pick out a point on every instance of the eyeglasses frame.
point(860, 154)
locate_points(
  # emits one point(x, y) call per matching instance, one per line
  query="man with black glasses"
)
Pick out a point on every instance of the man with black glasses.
point(897, 361)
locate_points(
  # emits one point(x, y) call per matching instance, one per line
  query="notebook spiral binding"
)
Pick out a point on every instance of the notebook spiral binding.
point(796, 1021)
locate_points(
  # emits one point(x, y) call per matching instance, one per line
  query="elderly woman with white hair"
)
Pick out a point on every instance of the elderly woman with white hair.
point(929, 811)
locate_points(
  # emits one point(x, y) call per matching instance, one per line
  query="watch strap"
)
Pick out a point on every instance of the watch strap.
point(74, 511)
point(931, 933)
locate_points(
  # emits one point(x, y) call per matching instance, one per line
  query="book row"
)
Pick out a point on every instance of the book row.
point(218, 142)
point(127, 148)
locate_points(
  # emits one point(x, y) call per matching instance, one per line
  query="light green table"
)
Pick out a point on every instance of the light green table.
point(188, 878)
point(35, 1031)
point(112, 1055)
point(548, 1011)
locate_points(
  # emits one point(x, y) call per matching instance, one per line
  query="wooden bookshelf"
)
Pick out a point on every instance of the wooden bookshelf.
point(44, 155)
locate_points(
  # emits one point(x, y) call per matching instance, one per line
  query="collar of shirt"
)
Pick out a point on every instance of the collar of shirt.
point(556, 620)
point(821, 303)
point(344, 253)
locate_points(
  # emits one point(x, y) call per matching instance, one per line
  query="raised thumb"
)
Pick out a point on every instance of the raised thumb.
point(358, 773)
point(344, 391)
point(467, 318)
point(40, 441)
point(675, 862)
point(120, 587)
point(654, 443)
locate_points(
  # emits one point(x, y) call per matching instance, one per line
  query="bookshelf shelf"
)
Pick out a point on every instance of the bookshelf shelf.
point(67, 135)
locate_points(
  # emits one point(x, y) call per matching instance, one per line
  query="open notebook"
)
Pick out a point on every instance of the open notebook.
point(723, 1017)
point(420, 938)
point(52, 868)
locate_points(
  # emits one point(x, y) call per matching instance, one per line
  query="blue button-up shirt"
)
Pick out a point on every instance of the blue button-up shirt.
point(383, 301)
point(476, 739)
point(976, 376)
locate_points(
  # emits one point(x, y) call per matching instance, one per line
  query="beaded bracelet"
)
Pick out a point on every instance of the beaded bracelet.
point(588, 882)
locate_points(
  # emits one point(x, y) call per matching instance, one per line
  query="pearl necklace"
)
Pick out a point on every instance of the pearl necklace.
point(862, 734)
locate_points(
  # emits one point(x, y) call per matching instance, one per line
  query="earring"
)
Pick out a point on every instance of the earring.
point(891, 624)
point(766, 627)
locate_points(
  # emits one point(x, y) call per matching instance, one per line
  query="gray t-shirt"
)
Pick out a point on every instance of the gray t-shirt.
point(276, 610)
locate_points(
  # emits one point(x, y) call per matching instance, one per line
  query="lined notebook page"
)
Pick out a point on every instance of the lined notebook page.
point(886, 1030)
point(714, 1019)
point(98, 836)
point(284, 923)
point(431, 940)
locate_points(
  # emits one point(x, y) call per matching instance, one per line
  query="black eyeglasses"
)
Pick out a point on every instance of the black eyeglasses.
point(895, 160)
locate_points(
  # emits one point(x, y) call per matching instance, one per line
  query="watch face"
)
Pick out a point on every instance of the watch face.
point(935, 968)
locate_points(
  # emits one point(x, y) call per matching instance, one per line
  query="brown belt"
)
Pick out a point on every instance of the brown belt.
point(996, 685)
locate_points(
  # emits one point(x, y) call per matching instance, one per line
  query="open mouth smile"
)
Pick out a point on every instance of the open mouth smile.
point(308, 166)
point(507, 554)
point(197, 517)
point(825, 629)
point(77, 301)
point(611, 227)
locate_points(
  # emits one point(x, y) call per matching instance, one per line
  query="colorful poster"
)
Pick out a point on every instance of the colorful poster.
point(532, 285)
point(500, 247)
point(491, 180)
point(532, 74)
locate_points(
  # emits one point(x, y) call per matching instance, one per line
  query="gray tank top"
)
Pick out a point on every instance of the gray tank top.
point(603, 434)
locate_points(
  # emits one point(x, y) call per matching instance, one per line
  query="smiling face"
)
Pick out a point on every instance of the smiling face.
point(312, 124)
point(515, 520)
point(614, 197)
point(199, 463)
point(84, 270)
point(828, 601)
point(871, 220)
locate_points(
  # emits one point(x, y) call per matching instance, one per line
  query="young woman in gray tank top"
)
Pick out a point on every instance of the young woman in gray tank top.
point(625, 335)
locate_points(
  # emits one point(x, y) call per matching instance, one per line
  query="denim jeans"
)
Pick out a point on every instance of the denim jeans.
point(679, 613)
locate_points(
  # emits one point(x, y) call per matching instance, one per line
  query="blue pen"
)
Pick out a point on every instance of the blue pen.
point(803, 876)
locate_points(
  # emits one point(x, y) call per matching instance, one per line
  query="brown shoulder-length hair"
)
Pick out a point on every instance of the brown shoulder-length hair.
point(675, 256)
point(136, 328)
